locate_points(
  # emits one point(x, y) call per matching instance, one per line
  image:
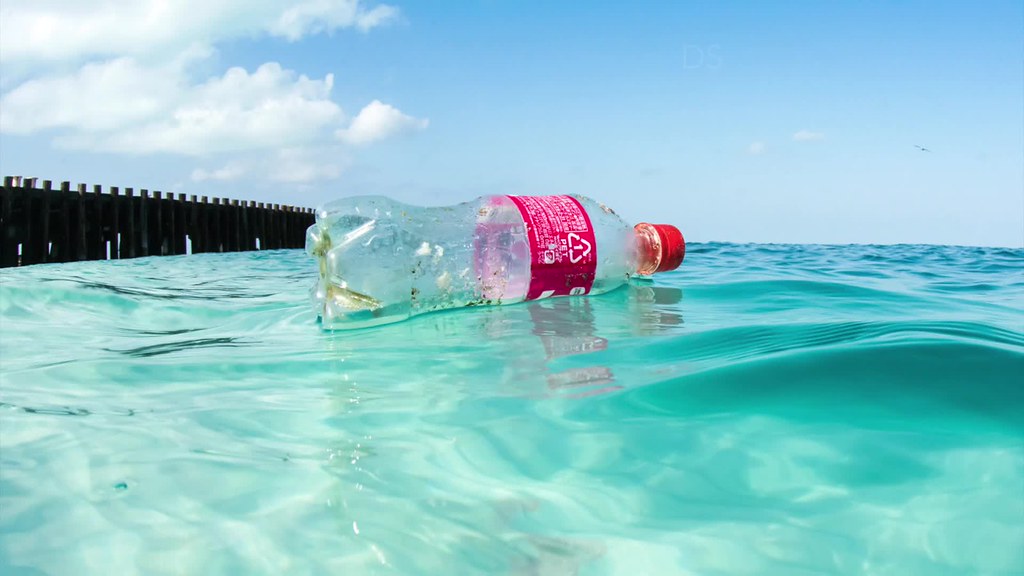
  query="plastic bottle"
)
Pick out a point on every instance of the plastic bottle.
point(383, 261)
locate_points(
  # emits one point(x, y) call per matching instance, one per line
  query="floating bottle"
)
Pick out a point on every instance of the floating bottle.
point(382, 261)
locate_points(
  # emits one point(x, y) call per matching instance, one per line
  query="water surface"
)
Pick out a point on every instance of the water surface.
point(762, 410)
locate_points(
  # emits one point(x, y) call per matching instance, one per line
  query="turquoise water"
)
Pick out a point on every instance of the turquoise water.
point(763, 410)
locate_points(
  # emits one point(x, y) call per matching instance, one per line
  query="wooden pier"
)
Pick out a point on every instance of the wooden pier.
point(47, 224)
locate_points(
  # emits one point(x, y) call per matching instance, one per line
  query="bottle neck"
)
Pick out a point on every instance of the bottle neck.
point(660, 248)
point(648, 249)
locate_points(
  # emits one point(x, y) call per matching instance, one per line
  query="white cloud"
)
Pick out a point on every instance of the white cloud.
point(239, 111)
point(133, 77)
point(316, 16)
point(379, 16)
point(121, 106)
point(377, 121)
point(297, 165)
point(100, 96)
point(302, 165)
point(807, 136)
point(73, 30)
point(232, 171)
point(756, 149)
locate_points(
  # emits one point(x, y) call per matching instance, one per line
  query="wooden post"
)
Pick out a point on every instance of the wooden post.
point(62, 240)
point(8, 226)
point(166, 225)
point(180, 225)
point(286, 226)
point(28, 216)
point(116, 247)
point(286, 239)
point(256, 226)
point(254, 222)
point(278, 227)
point(228, 225)
point(99, 241)
point(247, 243)
point(223, 225)
point(194, 227)
point(172, 225)
point(271, 236)
point(220, 232)
point(279, 223)
point(282, 220)
point(83, 225)
point(30, 249)
point(226, 233)
point(243, 226)
point(144, 223)
point(238, 207)
point(129, 204)
point(45, 224)
point(295, 226)
point(204, 232)
point(290, 226)
point(157, 234)
point(171, 220)
point(260, 227)
point(236, 223)
point(213, 224)
point(271, 228)
point(215, 227)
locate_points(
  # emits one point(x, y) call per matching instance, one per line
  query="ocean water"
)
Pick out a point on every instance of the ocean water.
point(765, 409)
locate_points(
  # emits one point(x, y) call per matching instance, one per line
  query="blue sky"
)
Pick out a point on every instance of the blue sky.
point(737, 121)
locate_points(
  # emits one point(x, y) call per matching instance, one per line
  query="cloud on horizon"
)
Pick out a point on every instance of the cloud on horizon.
point(808, 136)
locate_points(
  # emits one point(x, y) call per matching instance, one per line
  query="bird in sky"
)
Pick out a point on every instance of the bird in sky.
point(921, 148)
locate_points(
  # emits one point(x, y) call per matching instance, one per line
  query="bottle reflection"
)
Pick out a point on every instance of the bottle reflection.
point(566, 327)
point(574, 326)
point(522, 343)
point(653, 308)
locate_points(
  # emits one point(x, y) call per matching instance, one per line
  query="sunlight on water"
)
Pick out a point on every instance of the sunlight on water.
point(763, 410)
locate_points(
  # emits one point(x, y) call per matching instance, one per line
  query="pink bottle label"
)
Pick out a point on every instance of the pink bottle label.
point(563, 249)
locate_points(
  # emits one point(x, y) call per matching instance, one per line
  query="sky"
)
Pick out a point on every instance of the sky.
point(787, 122)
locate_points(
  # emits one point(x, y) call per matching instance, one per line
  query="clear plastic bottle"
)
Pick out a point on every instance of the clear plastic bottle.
point(383, 261)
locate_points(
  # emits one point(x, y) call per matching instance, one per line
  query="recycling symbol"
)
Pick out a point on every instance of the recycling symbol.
point(578, 248)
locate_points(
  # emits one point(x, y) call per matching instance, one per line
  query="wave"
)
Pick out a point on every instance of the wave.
point(952, 380)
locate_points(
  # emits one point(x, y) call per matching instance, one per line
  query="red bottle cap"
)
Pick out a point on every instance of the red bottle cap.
point(673, 247)
point(670, 249)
